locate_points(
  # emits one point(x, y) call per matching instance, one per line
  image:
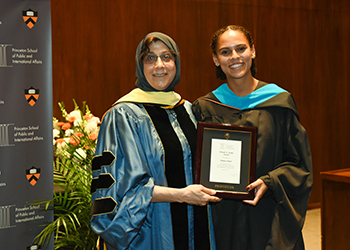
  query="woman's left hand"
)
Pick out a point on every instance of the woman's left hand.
point(260, 189)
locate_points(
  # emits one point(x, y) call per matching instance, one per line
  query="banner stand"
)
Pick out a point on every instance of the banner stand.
point(26, 154)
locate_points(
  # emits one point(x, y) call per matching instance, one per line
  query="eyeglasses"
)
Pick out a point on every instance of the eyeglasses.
point(151, 59)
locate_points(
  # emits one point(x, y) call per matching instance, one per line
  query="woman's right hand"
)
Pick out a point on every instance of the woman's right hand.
point(198, 195)
point(192, 194)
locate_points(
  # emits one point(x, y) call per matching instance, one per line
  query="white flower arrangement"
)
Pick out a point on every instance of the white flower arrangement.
point(75, 137)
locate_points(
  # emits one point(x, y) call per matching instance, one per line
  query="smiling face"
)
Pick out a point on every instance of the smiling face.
point(234, 55)
point(161, 73)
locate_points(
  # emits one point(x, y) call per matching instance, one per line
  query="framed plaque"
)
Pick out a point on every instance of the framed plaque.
point(225, 159)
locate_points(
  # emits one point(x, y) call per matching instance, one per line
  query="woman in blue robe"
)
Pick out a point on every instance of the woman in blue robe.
point(142, 191)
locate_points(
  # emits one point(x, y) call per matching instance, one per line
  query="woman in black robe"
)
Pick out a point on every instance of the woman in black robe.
point(275, 217)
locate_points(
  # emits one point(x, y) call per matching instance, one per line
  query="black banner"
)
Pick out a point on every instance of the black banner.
point(25, 121)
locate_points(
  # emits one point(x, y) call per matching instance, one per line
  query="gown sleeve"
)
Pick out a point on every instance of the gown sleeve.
point(122, 184)
point(291, 184)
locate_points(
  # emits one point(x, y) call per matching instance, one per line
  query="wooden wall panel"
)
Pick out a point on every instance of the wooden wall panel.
point(301, 45)
point(94, 46)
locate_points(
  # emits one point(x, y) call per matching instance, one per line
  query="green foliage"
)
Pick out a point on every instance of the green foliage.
point(71, 205)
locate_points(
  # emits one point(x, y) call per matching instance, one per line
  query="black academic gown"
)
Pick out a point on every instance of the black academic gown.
point(283, 162)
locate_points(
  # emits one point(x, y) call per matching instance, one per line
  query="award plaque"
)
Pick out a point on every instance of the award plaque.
point(225, 159)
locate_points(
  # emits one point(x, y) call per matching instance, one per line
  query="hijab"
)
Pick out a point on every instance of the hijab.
point(141, 81)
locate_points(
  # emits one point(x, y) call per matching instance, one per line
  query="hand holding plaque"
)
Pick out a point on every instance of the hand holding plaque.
point(225, 159)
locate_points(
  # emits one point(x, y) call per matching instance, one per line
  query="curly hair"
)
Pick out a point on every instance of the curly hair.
point(213, 44)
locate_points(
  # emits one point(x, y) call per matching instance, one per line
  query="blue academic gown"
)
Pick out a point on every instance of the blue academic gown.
point(129, 161)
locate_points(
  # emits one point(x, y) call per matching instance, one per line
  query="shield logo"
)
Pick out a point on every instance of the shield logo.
point(30, 17)
point(32, 95)
point(33, 175)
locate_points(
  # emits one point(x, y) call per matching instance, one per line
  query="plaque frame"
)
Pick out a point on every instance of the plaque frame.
point(247, 137)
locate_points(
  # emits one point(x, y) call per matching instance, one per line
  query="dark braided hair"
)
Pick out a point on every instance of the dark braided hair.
point(219, 73)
